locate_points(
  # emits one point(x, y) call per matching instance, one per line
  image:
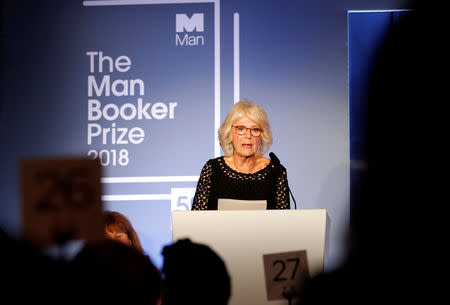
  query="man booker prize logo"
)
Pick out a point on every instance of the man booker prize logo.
point(185, 27)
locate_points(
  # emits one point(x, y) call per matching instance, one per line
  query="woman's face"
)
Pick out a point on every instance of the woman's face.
point(117, 235)
point(245, 145)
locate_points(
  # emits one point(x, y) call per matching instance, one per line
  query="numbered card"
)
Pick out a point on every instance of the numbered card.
point(285, 272)
point(61, 200)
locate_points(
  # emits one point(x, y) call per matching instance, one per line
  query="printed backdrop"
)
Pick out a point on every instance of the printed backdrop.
point(144, 85)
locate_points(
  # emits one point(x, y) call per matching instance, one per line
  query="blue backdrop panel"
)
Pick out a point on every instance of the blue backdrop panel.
point(166, 72)
point(152, 119)
point(366, 32)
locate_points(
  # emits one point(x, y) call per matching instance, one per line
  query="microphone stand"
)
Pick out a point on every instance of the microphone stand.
point(289, 295)
point(295, 203)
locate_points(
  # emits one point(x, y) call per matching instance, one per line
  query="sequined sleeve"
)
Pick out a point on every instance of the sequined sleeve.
point(203, 189)
point(282, 191)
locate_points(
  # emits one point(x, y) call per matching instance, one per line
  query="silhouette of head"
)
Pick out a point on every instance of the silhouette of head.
point(109, 272)
point(194, 274)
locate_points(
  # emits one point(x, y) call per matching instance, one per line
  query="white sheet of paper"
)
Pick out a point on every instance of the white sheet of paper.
point(235, 204)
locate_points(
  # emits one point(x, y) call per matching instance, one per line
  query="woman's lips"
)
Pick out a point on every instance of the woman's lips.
point(247, 145)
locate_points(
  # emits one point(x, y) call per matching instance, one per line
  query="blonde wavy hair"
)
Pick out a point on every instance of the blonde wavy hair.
point(257, 115)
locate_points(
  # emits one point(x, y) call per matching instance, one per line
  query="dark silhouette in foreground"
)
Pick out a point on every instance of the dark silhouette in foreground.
point(396, 229)
point(194, 274)
point(110, 272)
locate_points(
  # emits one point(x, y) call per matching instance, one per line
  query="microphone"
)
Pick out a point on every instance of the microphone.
point(275, 160)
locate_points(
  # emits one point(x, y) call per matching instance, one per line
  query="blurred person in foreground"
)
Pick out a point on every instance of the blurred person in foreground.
point(119, 228)
point(395, 236)
point(194, 274)
point(28, 275)
point(110, 272)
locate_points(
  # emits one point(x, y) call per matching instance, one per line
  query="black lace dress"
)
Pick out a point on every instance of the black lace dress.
point(218, 180)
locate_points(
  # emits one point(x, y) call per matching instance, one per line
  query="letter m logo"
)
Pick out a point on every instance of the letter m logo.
point(183, 22)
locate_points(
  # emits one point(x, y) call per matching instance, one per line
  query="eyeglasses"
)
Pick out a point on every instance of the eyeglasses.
point(242, 130)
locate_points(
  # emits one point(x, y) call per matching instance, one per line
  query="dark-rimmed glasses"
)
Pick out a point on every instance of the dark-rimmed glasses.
point(242, 130)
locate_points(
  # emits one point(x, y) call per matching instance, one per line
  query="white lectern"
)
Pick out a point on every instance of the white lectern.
point(242, 237)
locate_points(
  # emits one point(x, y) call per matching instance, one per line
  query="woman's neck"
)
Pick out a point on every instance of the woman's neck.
point(243, 164)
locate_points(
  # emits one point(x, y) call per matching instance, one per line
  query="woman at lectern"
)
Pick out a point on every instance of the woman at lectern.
point(243, 173)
